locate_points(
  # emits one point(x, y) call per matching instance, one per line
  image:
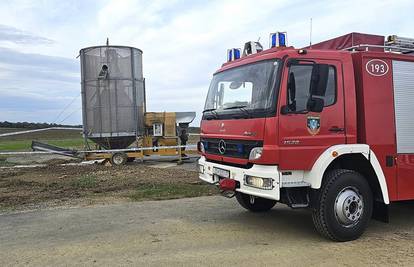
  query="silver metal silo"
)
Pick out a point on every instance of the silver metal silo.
point(113, 95)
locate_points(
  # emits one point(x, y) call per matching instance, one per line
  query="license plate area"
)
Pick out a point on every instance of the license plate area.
point(221, 172)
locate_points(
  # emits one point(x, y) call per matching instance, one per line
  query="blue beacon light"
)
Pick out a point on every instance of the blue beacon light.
point(233, 54)
point(278, 39)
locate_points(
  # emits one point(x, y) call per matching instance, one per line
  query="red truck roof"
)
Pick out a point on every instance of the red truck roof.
point(350, 39)
point(338, 43)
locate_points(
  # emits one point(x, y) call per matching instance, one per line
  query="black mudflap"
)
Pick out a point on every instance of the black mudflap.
point(381, 212)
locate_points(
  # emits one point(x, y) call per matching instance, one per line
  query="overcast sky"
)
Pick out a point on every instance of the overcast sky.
point(184, 42)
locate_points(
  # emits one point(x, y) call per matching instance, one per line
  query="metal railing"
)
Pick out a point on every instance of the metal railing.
point(135, 149)
point(40, 130)
point(385, 47)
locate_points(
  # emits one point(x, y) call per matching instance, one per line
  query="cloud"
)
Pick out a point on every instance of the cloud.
point(184, 42)
point(14, 35)
point(35, 87)
point(13, 57)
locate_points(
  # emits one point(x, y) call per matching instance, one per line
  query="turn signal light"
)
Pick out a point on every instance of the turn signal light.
point(256, 153)
point(200, 147)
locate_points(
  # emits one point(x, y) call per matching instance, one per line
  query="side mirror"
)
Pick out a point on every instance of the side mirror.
point(315, 104)
point(319, 80)
point(284, 110)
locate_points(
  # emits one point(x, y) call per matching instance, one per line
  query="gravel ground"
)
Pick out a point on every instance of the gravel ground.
point(208, 231)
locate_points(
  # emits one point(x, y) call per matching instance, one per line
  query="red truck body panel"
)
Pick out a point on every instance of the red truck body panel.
point(405, 172)
point(375, 109)
point(376, 121)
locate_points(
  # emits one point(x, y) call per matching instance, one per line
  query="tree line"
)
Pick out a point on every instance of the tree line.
point(33, 125)
point(41, 125)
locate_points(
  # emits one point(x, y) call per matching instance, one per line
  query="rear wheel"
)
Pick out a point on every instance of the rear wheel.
point(343, 206)
point(255, 204)
point(119, 158)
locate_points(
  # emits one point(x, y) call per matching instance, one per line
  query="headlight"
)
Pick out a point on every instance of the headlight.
point(200, 147)
point(258, 182)
point(256, 153)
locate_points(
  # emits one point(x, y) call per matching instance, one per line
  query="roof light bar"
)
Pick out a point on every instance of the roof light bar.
point(278, 39)
point(252, 48)
point(233, 54)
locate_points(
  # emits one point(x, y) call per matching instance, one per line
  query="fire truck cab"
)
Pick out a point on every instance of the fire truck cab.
point(328, 127)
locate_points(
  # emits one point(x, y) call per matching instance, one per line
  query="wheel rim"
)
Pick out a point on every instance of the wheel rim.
point(349, 207)
point(118, 159)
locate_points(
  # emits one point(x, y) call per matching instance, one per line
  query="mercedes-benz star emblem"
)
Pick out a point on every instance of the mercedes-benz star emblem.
point(222, 147)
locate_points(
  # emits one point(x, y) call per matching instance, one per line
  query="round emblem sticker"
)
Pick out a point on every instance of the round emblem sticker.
point(377, 67)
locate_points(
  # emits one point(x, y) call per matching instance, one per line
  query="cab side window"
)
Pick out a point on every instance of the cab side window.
point(299, 86)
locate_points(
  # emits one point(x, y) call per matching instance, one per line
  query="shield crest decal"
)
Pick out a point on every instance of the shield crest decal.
point(314, 124)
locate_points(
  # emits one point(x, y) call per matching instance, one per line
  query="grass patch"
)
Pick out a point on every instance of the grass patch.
point(85, 181)
point(22, 145)
point(171, 191)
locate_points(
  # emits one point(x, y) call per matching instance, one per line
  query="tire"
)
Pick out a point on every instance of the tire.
point(259, 204)
point(119, 158)
point(343, 206)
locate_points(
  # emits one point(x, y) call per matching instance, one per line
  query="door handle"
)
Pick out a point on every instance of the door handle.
point(336, 129)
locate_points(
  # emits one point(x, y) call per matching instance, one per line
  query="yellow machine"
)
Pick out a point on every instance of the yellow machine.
point(162, 129)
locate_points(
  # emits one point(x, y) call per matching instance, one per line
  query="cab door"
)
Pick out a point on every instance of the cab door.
point(306, 131)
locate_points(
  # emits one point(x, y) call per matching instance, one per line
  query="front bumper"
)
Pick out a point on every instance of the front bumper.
point(238, 174)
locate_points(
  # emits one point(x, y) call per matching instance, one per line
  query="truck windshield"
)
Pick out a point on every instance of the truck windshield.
point(244, 89)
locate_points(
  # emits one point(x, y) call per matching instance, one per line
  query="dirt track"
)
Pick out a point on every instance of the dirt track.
point(199, 231)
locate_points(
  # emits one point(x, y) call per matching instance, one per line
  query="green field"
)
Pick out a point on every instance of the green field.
point(25, 145)
point(61, 138)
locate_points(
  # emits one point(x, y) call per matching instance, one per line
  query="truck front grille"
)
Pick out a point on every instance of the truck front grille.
point(233, 148)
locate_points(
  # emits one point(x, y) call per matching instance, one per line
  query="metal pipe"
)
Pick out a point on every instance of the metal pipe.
point(40, 130)
point(366, 46)
point(136, 149)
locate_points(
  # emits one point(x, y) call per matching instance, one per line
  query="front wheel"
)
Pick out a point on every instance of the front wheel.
point(255, 204)
point(343, 205)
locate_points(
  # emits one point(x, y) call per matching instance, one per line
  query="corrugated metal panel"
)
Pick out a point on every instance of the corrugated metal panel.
point(403, 76)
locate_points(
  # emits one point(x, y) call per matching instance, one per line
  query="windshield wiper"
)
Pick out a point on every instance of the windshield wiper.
point(209, 109)
point(234, 107)
point(242, 108)
point(212, 111)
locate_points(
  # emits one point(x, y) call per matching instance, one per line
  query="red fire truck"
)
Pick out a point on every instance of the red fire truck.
point(328, 127)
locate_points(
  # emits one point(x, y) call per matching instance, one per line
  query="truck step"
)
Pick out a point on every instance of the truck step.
point(297, 197)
